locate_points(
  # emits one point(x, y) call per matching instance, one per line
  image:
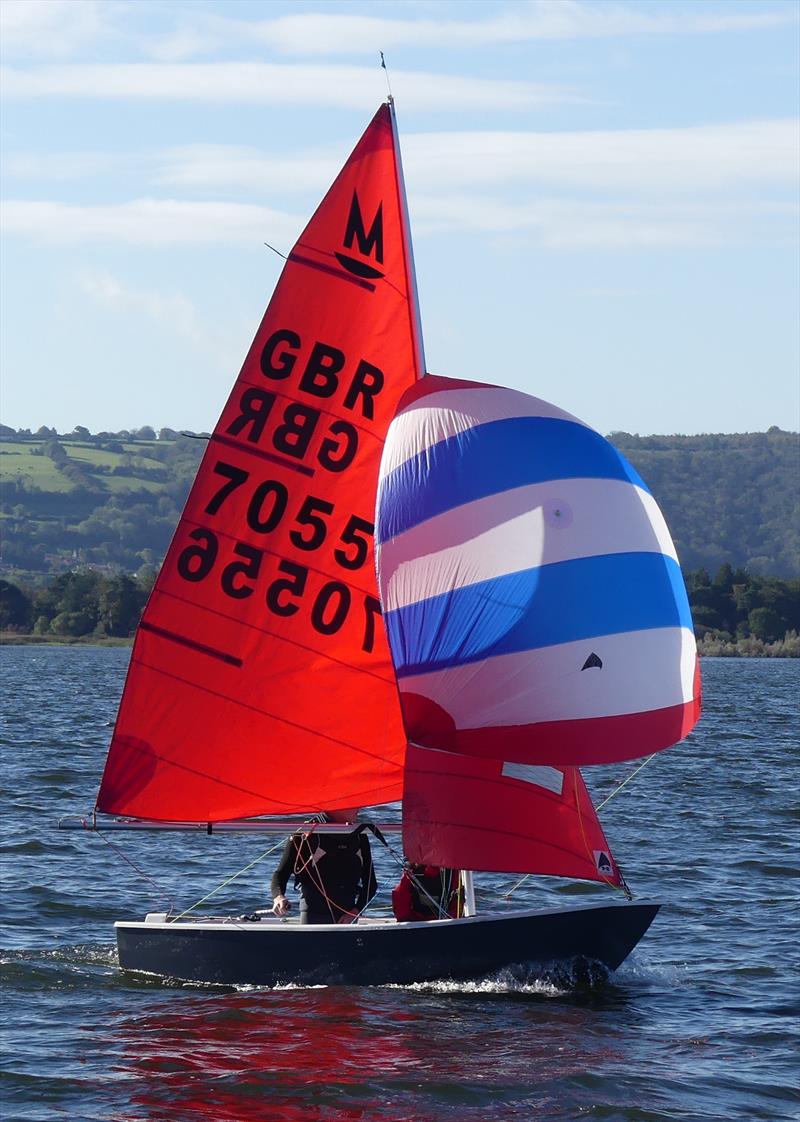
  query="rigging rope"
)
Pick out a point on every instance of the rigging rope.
point(405, 868)
point(213, 891)
point(369, 825)
point(123, 855)
point(308, 866)
point(624, 781)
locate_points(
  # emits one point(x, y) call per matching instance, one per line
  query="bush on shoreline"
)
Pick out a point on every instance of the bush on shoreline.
point(76, 605)
point(788, 647)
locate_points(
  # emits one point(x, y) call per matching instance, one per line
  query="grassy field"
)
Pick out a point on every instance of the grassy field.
point(103, 502)
point(18, 462)
point(85, 454)
point(22, 460)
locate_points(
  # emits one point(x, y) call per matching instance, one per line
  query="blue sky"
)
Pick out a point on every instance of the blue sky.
point(603, 197)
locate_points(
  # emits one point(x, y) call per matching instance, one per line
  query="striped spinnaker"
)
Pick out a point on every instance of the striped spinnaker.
point(532, 594)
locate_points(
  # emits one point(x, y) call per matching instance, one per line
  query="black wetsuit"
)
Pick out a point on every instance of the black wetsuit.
point(332, 871)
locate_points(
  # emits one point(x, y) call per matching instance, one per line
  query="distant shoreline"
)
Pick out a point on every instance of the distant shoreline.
point(713, 649)
point(17, 639)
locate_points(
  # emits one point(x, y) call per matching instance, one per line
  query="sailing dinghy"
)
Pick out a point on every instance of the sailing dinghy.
point(529, 617)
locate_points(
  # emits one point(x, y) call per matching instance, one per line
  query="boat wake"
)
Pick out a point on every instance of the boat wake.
point(68, 967)
point(640, 970)
point(558, 979)
point(80, 954)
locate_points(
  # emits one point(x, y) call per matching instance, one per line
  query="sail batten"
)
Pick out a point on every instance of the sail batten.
point(339, 274)
point(260, 680)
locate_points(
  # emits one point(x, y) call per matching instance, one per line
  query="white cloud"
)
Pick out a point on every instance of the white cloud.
point(206, 165)
point(263, 83)
point(65, 28)
point(54, 28)
point(662, 161)
point(702, 158)
point(569, 224)
point(552, 223)
point(330, 33)
point(171, 310)
point(64, 166)
point(158, 223)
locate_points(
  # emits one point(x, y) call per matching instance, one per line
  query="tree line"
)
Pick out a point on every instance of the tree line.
point(740, 613)
point(735, 612)
point(77, 604)
point(80, 432)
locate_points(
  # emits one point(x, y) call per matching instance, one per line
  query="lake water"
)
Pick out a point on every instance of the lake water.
point(701, 1023)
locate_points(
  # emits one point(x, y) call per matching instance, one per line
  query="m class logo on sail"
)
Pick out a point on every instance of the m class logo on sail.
point(369, 242)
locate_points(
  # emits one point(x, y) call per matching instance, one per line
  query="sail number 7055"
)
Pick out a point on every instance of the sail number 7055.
point(328, 607)
point(269, 503)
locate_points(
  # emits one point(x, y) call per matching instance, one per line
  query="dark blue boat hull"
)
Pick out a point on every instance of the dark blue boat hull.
point(269, 953)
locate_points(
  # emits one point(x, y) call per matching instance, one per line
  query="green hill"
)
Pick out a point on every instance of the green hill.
point(112, 500)
point(729, 498)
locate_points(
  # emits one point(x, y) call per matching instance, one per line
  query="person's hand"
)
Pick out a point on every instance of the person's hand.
point(280, 905)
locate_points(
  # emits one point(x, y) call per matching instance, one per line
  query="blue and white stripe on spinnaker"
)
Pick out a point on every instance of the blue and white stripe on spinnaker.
point(527, 577)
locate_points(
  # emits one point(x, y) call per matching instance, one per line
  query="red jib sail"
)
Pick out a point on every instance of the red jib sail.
point(460, 811)
point(260, 680)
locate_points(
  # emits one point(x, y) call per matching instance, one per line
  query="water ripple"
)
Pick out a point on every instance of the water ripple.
point(699, 1025)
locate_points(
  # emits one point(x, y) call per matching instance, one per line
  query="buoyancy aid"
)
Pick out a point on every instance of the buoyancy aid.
point(333, 871)
point(425, 893)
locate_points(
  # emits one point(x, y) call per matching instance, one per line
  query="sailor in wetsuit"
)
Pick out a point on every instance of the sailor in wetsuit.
point(332, 871)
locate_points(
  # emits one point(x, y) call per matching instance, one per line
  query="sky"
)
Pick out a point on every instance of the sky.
point(603, 197)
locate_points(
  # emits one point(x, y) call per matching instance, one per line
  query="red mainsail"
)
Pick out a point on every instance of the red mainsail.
point(460, 811)
point(260, 680)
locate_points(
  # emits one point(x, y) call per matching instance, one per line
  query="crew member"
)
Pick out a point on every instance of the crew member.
point(427, 892)
point(333, 872)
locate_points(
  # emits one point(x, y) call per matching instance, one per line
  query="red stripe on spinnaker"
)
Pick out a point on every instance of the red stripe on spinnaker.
point(594, 740)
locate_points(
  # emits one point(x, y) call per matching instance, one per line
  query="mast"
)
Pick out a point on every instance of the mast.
point(469, 892)
point(415, 320)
